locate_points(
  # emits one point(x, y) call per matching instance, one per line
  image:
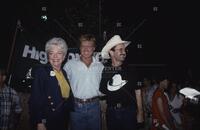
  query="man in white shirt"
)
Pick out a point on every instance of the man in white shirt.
point(85, 75)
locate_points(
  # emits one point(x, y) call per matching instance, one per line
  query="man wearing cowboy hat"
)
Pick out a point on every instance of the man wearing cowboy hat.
point(123, 96)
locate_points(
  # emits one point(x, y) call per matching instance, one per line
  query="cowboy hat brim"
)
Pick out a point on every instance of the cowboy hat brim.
point(116, 87)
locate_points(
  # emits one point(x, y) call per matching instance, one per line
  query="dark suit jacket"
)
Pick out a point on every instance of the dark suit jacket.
point(46, 103)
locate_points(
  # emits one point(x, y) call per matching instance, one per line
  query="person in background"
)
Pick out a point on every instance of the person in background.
point(85, 76)
point(149, 86)
point(10, 108)
point(161, 116)
point(176, 102)
point(51, 97)
point(118, 83)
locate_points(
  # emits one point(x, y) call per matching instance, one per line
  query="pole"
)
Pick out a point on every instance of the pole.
point(136, 28)
point(13, 46)
point(61, 26)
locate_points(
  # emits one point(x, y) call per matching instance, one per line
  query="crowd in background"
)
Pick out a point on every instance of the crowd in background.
point(184, 111)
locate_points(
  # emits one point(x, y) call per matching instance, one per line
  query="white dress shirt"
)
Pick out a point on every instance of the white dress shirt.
point(84, 80)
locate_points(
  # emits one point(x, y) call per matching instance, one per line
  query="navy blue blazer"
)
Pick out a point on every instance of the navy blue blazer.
point(46, 102)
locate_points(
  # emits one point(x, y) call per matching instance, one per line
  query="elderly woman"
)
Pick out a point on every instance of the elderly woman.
point(51, 97)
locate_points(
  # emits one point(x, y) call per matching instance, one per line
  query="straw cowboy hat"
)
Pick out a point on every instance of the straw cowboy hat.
point(115, 40)
point(116, 83)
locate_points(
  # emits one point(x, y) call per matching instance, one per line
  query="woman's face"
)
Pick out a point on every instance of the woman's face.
point(56, 57)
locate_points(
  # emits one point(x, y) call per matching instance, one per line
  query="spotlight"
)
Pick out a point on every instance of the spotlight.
point(44, 17)
point(44, 13)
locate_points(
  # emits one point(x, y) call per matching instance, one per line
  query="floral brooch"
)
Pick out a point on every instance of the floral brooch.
point(52, 73)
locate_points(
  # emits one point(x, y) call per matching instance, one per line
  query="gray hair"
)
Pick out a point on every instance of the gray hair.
point(58, 42)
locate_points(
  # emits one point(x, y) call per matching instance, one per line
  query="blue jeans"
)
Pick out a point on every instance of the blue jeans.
point(121, 119)
point(86, 116)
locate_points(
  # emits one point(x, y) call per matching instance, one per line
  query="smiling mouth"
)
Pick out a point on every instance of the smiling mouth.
point(55, 60)
point(122, 55)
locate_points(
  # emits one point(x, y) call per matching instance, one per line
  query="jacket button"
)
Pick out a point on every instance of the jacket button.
point(53, 109)
point(51, 103)
point(49, 97)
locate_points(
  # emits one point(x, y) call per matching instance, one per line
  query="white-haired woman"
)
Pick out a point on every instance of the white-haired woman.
point(51, 97)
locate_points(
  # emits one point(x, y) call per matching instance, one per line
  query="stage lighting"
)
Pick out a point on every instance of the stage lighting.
point(44, 17)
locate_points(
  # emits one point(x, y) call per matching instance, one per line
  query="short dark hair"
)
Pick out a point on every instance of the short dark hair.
point(162, 73)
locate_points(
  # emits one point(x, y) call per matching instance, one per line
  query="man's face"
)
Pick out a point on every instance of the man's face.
point(119, 52)
point(87, 48)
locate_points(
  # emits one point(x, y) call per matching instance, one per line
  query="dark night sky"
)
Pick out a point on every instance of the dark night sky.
point(168, 36)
